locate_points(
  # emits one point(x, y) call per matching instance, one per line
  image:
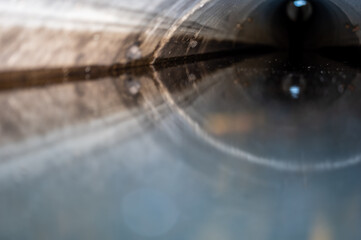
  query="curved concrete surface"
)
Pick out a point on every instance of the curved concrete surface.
point(58, 33)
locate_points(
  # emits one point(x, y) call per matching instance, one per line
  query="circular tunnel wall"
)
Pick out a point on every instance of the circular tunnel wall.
point(58, 33)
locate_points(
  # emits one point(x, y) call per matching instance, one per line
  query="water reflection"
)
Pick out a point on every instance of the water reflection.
point(243, 147)
point(262, 109)
point(269, 112)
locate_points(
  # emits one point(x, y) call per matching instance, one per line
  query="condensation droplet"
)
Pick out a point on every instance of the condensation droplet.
point(133, 86)
point(193, 43)
point(134, 53)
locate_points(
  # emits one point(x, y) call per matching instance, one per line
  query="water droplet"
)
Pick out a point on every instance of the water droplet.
point(134, 53)
point(133, 86)
point(193, 43)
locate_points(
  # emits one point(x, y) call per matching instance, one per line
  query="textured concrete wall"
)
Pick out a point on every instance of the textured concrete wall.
point(66, 33)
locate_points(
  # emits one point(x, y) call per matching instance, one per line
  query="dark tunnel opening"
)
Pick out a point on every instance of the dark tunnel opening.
point(294, 26)
point(307, 30)
point(305, 25)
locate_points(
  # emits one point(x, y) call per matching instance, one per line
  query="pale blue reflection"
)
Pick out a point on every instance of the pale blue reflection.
point(295, 91)
point(300, 3)
point(149, 212)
